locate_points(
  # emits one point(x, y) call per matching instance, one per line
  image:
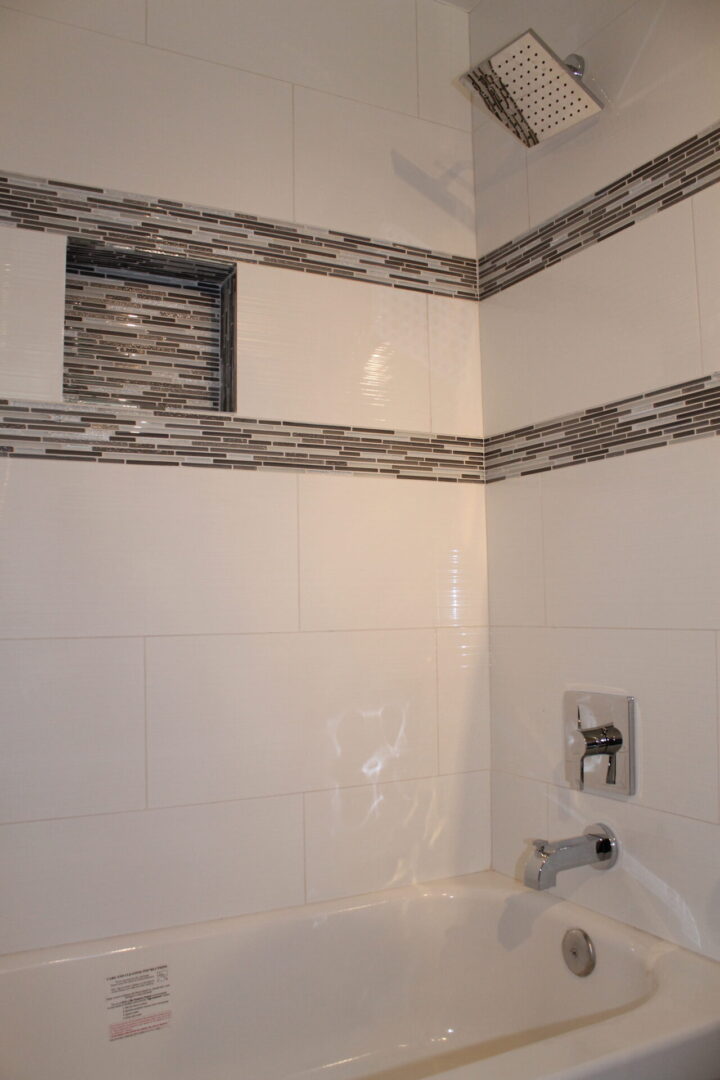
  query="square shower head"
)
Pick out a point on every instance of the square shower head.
point(531, 90)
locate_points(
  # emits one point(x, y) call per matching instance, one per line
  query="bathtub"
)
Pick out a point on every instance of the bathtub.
point(460, 980)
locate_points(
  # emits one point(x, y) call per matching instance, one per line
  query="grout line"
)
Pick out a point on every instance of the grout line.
point(293, 153)
point(147, 728)
point(417, 59)
point(147, 14)
point(298, 558)
point(304, 847)
point(437, 705)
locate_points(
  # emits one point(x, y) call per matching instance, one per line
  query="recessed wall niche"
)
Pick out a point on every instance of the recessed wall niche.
point(148, 330)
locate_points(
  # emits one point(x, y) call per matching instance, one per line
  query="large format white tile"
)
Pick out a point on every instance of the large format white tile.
point(633, 541)
point(564, 24)
point(104, 550)
point(455, 378)
point(381, 174)
point(322, 349)
point(73, 728)
point(657, 66)
point(501, 193)
point(391, 553)
point(443, 39)
point(361, 839)
point(603, 324)
point(666, 880)
point(519, 815)
point(101, 111)
point(706, 216)
point(32, 313)
point(93, 877)
point(119, 18)
point(515, 552)
point(671, 673)
point(233, 717)
point(363, 51)
point(463, 700)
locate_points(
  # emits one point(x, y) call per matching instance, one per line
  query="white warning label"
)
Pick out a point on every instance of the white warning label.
point(139, 1000)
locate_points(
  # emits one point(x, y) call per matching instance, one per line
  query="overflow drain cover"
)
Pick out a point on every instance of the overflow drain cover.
point(578, 952)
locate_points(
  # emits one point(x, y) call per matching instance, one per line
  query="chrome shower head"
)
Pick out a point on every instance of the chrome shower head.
point(531, 90)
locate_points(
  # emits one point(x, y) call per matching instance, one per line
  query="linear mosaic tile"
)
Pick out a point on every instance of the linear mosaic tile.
point(688, 410)
point(131, 435)
point(186, 231)
point(675, 175)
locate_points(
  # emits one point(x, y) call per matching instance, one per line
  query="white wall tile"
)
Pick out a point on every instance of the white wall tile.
point(234, 717)
point(657, 67)
point(73, 728)
point(706, 216)
point(381, 174)
point(670, 673)
point(363, 51)
point(101, 111)
point(608, 322)
point(321, 349)
point(380, 553)
point(455, 379)
point(32, 312)
point(443, 40)
point(362, 839)
point(515, 552)
point(519, 815)
point(564, 24)
point(93, 877)
point(463, 699)
point(668, 875)
point(88, 550)
point(119, 18)
point(501, 191)
point(633, 541)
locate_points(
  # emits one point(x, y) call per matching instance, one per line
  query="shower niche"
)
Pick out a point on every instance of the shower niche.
point(148, 330)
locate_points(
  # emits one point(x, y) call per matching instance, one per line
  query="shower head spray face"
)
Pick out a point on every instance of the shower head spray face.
point(531, 91)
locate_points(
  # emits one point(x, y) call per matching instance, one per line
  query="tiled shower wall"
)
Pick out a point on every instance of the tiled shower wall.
point(224, 690)
point(605, 575)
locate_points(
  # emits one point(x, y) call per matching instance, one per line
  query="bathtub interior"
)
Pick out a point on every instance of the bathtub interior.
point(400, 984)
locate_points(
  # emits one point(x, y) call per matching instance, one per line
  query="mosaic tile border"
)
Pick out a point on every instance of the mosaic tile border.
point(186, 231)
point(681, 172)
point(687, 410)
point(129, 435)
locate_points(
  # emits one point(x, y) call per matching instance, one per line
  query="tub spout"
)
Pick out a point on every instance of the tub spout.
point(598, 847)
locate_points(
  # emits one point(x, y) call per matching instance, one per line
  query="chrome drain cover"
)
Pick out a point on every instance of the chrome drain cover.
point(578, 952)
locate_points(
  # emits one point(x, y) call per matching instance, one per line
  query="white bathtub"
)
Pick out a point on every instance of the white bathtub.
point(461, 979)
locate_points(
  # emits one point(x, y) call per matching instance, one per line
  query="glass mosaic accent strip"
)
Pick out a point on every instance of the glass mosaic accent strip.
point(688, 410)
point(131, 435)
point(185, 231)
point(681, 172)
point(128, 435)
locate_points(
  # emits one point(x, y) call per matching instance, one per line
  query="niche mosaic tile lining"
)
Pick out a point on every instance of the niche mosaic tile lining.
point(675, 175)
point(166, 227)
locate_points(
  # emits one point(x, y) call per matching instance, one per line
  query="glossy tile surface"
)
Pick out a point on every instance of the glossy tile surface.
point(519, 815)
point(32, 298)
point(365, 52)
point(443, 55)
point(234, 717)
point(114, 550)
point(102, 111)
point(706, 218)
point(73, 728)
point(516, 581)
point(386, 835)
point(185, 865)
point(118, 18)
point(378, 173)
point(463, 699)
point(669, 673)
point(381, 553)
point(320, 349)
point(607, 323)
point(455, 378)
